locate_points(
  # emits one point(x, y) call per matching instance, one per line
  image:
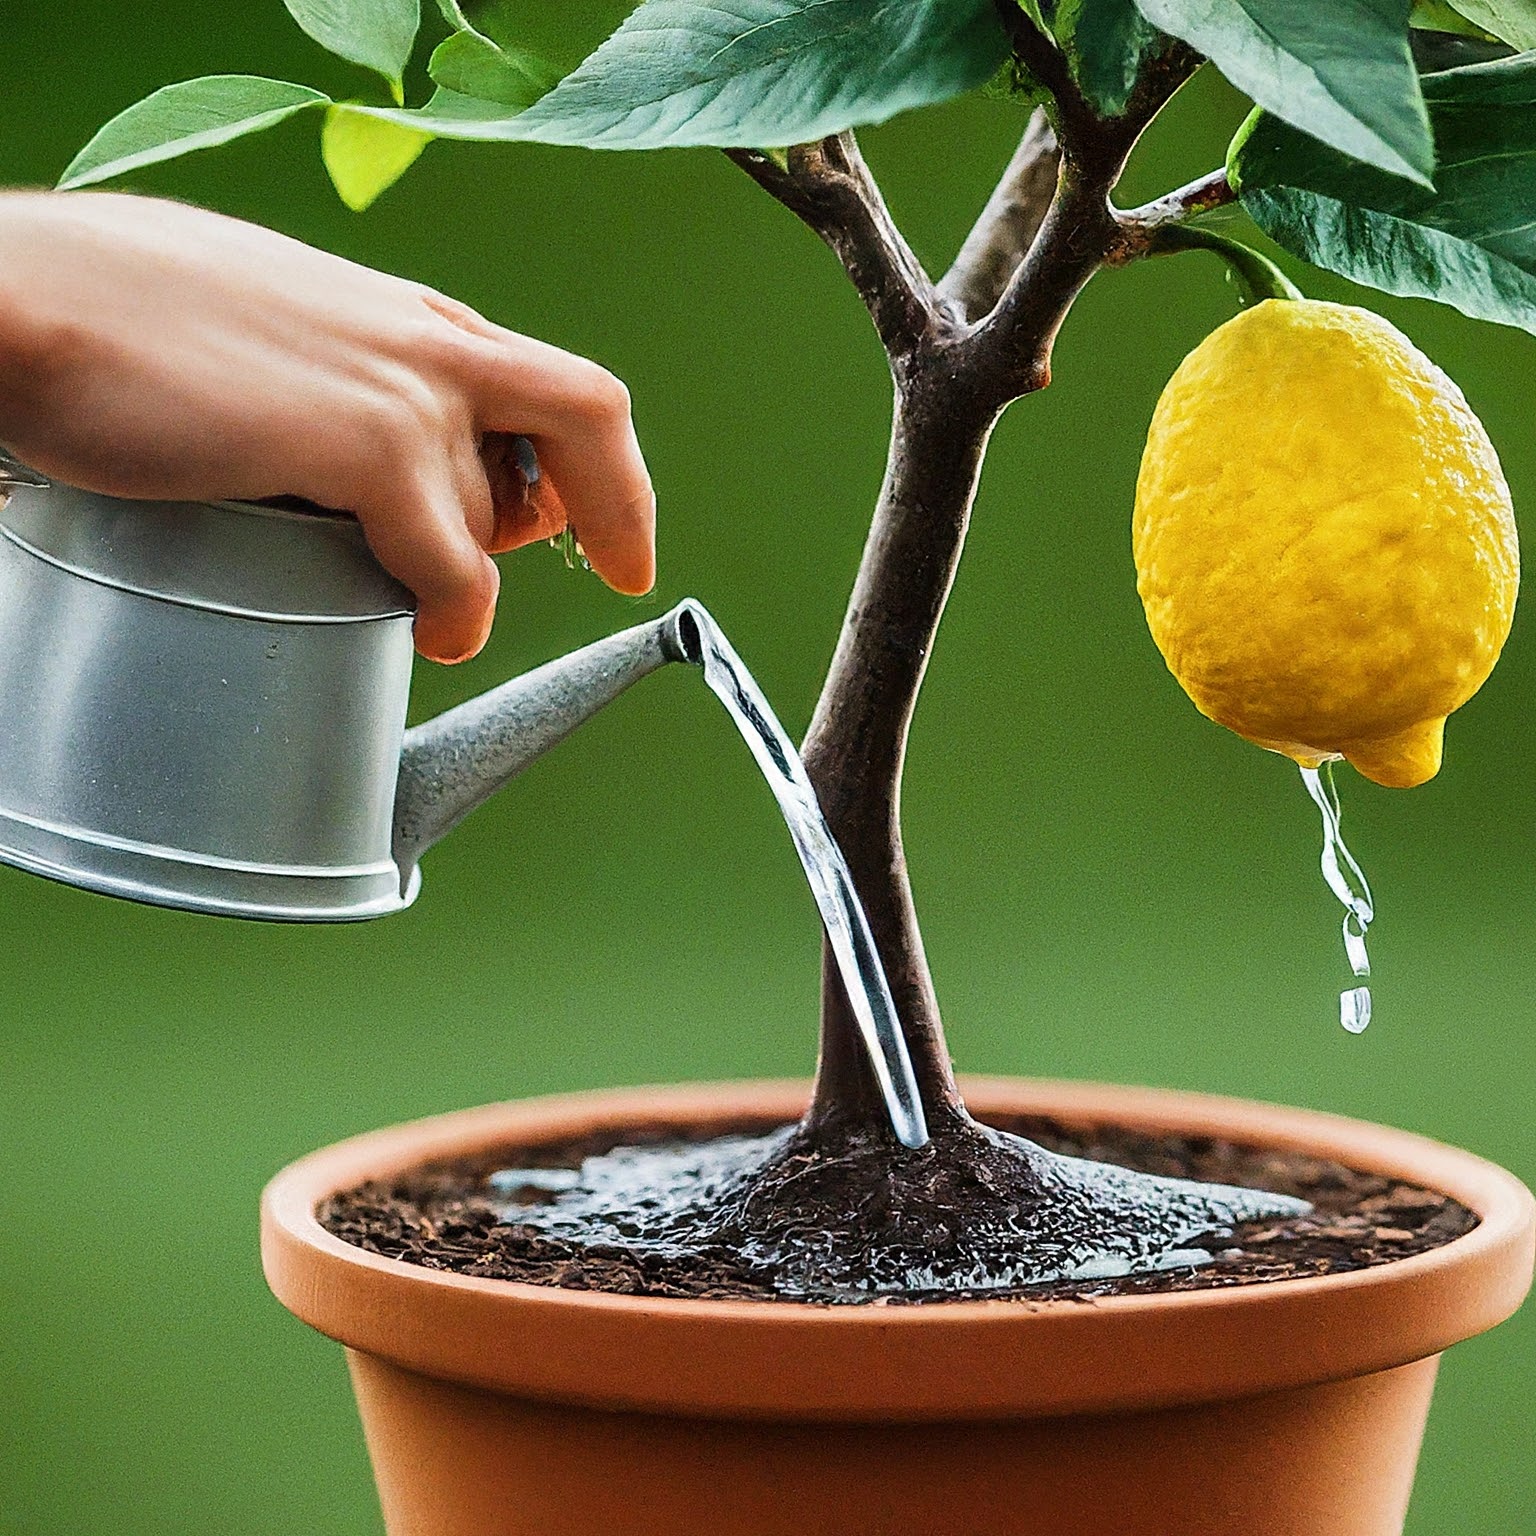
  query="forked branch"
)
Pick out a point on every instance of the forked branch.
point(1082, 230)
point(830, 188)
point(1008, 224)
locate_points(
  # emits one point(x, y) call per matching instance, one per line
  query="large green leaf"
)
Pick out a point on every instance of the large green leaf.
point(177, 119)
point(1338, 69)
point(365, 155)
point(1470, 242)
point(504, 22)
point(752, 72)
point(378, 34)
point(1106, 43)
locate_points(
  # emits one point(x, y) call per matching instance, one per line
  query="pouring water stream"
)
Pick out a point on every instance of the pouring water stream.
point(853, 946)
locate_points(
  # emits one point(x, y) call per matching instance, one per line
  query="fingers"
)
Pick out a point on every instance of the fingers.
point(426, 527)
point(577, 416)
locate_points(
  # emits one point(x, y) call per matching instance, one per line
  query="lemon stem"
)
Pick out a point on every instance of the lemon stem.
point(1257, 277)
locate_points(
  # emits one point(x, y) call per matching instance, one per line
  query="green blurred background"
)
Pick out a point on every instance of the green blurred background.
point(1112, 887)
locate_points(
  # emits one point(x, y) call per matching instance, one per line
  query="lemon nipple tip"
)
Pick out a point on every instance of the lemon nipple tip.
point(1402, 761)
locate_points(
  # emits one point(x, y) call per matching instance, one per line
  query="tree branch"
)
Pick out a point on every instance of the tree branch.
point(1074, 117)
point(1212, 190)
point(1081, 230)
point(828, 187)
point(1008, 224)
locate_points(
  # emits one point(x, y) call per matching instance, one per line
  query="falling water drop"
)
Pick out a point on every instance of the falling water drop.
point(1355, 1008)
point(1347, 881)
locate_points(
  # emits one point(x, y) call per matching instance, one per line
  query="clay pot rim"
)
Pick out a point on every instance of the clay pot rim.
point(966, 1359)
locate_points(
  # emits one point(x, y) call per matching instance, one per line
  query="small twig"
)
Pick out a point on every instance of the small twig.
point(1008, 224)
point(828, 187)
point(1212, 190)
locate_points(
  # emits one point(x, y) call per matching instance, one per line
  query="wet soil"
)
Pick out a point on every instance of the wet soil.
point(453, 1218)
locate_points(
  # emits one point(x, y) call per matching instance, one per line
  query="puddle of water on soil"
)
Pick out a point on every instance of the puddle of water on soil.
point(1073, 1218)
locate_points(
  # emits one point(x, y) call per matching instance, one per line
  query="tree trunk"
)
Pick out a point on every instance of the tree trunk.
point(857, 739)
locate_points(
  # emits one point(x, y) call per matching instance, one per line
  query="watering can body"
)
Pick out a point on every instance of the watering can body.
point(203, 705)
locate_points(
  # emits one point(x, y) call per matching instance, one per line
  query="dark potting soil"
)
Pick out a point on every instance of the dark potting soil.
point(455, 1218)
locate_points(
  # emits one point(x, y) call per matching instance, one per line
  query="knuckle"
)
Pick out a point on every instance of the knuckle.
point(444, 342)
point(598, 396)
point(442, 307)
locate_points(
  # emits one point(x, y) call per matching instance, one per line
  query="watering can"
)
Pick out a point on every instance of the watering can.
point(202, 705)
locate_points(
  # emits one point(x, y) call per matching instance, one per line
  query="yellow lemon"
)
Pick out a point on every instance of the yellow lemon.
point(1324, 541)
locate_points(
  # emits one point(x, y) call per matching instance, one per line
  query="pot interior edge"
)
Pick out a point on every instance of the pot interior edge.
point(721, 1107)
point(1501, 1202)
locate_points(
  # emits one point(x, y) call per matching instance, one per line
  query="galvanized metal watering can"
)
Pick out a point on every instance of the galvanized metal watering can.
point(202, 705)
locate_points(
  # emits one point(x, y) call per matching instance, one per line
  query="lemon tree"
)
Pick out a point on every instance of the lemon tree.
point(1323, 537)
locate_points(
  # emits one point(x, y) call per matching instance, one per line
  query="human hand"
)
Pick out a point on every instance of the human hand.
point(154, 350)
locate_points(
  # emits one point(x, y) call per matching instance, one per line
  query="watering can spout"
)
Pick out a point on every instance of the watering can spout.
point(452, 764)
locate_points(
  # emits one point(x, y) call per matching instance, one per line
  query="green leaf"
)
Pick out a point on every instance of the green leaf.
point(177, 119)
point(750, 72)
point(1511, 21)
point(1439, 16)
point(1106, 43)
point(1469, 243)
point(472, 65)
point(366, 155)
point(1340, 70)
point(502, 21)
point(378, 34)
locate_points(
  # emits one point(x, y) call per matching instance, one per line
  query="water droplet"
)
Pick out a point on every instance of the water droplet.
point(1355, 1008)
point(1347, 881)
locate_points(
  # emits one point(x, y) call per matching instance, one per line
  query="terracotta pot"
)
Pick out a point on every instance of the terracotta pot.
point(1289, 1409)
